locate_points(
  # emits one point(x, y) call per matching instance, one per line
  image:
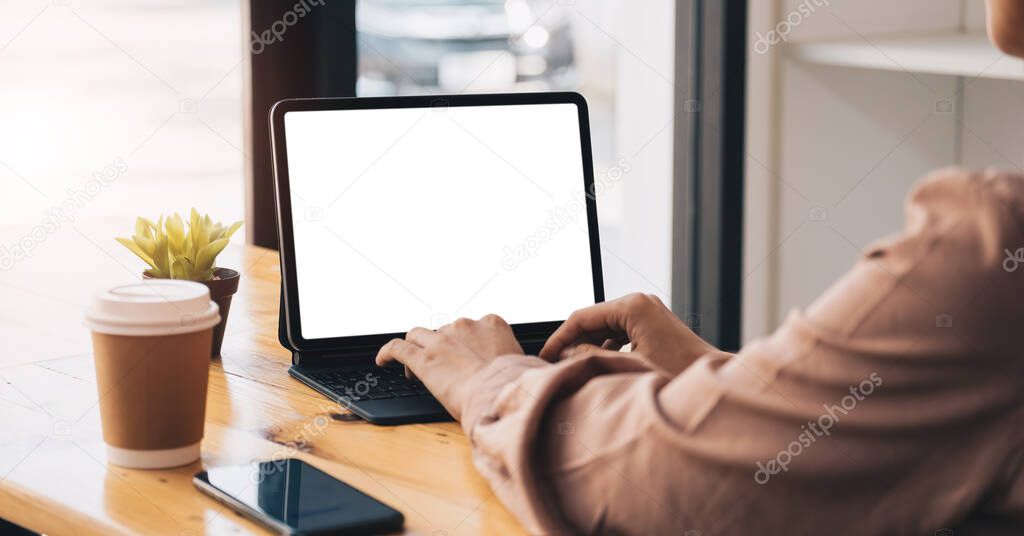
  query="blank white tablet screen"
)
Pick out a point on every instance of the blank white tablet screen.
point(417, 216)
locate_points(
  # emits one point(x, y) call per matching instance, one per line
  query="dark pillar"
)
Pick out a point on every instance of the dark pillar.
point(305, 48)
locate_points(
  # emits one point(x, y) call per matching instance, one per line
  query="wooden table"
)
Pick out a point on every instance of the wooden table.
point(54, 477)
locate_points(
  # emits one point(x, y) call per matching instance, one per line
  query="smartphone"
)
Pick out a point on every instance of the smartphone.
point(291, 496)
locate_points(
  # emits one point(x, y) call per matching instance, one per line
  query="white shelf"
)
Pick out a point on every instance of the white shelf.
point(970, 55)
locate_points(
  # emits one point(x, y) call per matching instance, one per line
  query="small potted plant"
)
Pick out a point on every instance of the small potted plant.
point(176, 251)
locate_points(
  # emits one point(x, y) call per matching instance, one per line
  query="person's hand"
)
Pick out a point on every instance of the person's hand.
point(641, 319)
point(445, 359)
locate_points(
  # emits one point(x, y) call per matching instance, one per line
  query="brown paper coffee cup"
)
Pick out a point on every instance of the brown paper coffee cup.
point(151, 345)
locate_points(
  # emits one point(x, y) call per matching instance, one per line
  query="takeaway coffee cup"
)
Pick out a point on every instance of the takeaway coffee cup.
point(151, 342)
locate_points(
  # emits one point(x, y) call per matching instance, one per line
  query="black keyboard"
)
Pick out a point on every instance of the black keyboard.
point(369, 383)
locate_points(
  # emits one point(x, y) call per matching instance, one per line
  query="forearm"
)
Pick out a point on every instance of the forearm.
point(676, 360)
point(857, 391)
point(509, 419)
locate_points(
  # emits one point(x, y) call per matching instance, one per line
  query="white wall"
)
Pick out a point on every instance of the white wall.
point(761, 182)
point(993, 133)
point(852, 142)
point(851, 151)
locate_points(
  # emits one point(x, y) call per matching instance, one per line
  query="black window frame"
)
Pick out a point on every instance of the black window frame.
point(707, 245)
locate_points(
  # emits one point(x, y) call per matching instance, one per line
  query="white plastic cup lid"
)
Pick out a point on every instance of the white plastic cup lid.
point(153, 307)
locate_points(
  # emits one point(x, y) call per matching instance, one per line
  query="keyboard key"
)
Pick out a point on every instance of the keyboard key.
point(370, 383)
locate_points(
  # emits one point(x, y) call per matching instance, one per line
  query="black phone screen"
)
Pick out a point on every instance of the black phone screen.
point(296, 494)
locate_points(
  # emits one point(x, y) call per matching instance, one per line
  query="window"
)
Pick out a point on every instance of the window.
point(111, 109)
point(616, 53)
point(114, 109)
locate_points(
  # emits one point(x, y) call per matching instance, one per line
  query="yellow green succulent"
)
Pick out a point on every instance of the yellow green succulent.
point(173, 251)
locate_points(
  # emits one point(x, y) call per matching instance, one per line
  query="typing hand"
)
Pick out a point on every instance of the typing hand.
point(445, 359)
point(641, 319)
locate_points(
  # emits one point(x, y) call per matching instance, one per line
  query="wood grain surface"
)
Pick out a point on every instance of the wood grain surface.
point(54, 477)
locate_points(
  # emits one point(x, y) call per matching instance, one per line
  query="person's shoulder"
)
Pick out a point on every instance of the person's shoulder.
point(965, 187)
point(968, 221)
point(973, 219)
point(989, 200)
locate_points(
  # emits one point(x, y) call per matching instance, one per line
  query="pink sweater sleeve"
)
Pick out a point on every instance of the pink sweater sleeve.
point(894, 404)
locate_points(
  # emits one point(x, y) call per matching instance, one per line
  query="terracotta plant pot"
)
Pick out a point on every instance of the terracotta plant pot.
point(222, 288)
